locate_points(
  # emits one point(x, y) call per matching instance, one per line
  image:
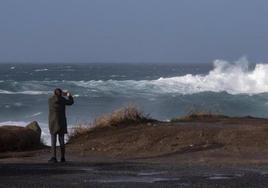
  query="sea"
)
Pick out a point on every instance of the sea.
point(161, 90)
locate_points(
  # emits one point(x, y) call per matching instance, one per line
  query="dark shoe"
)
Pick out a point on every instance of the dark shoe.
point(53, 160)
point(62, 160)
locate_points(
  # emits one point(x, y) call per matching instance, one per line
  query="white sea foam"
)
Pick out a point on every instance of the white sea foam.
point(18, 104)
point(35, 114)
point(17, 123)
point(24, 92)
point(40, 70)
point(234, 78)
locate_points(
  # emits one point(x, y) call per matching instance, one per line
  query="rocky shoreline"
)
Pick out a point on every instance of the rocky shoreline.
point(208, 152)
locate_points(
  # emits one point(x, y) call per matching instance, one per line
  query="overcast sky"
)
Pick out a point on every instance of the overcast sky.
point(133, 30)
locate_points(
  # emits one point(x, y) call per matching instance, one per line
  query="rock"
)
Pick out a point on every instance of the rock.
point(35, 127)
point(16, 138)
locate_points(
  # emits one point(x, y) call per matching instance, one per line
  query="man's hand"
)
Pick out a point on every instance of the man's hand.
point(64, 93)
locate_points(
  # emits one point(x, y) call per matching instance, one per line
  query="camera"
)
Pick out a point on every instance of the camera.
point(65, 93)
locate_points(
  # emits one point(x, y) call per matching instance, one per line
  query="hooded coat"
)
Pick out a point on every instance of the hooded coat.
point(57, 116)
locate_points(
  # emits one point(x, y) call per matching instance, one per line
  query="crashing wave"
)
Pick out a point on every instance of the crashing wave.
point(233, 78)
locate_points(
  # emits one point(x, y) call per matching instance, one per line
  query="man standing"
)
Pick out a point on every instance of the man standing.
point(57, 120)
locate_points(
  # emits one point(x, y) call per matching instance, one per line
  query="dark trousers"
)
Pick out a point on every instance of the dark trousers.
point(54, 142)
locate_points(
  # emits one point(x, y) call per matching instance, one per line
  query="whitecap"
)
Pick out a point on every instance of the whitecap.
point(35, 114)
point(17, 123)
point(41, 70)
point(24, 92)
point(18, 104)
point(33, 92)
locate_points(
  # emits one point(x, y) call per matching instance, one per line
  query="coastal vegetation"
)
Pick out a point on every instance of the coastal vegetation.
point(199, 116)
point(122, 117)
point(129, 133)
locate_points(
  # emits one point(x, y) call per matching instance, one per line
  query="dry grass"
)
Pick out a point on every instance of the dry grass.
point(199, 116)
point(81, 129)
point(124, 116)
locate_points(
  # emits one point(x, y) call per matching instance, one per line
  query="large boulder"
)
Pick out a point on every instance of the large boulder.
point(35, 127)
point(16, 138)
